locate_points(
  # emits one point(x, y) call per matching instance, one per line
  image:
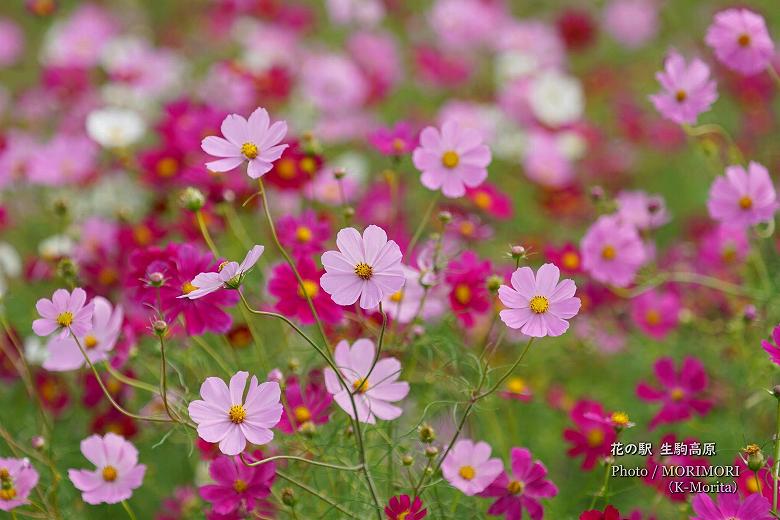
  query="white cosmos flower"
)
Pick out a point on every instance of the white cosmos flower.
point(115, 127)
point(556, 99)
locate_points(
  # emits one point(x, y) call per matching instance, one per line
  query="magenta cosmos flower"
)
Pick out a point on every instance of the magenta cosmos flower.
point(237, 485)
point(451, 160)
point(593, 435)
point(256, 141)
point(117, 471)
point(687, 89)
point(682, 392)
point(656, 313)
point(743, 197)
point(741, 41)
point(224, 416)
point(729, 507)
point(303, 235)
point(466, 277)
point(468, 466)
point(65, 311)
point(366, 268)
point(403, 508)
point(228, 275)
point(612, 251)
point(373, 390)
point(305, 406)
point(17, 479)
point(540, 304)
point(773, 349)
point(523, 490)
point(292, 296)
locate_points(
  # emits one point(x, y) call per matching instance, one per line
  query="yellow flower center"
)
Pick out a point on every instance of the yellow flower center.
point(403, 514)
point(308, 165)
point(570, 260)
point(516, 385)
point(142, 234)
point(398, 144)
point(463, 293)
point(745, 202)
point(249, 150)
point(301, 414)
point(167, 167)
point(677, 394)
point(619, 418)
point(397, 296)
point(286, 168)
point(65, 319)
point(8, 493)
point(450, 159)
point(303, 234)
point(608, 253)
point(90, 342)
point(467, 228)
point(237, 414)
point(515, 487)
point(681, 96)
point(360, 386)
point(482, 200)
point(309, 288)
point(4, 474)
point(187, 288)
point(750, 449)
point(467, 472)
point(107, 276)
point(109, 473)
point(240, 486)
point(753, 484)
point(652, 317)
point(595, 437)
point(539, 304)
point(743, 40)
point(364, 271)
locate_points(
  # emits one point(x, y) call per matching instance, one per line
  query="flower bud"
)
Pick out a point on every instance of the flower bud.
point(192, 199)
point(749, 313)
point(517, 252)
point(288, 496)
point(431, 451)
point(445, 217)
point(38, 442)
point(597, 194)
point(494, 282)
point(755, 458)
point(776, 391)
point(339, 173)
point(160, 327)
point(309, 429)
point(349, 212)
point(407, 460)
point(427, 433)
point(156, 279)
point(293, 364)
point(66, 269)
point(60, 207)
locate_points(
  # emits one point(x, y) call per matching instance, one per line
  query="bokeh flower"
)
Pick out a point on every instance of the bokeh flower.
point(17, 479)
point(682, 392)
point(469, 468)
point(743, 197)
point(740, 40)
point(402, 507)
point(612, 251)
point(117, 471)
point(237, 486)
point(687, 89)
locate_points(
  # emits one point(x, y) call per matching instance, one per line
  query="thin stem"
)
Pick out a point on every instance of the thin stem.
point(300, 459)
point(218, 360)
point(129, 511)
point(683, 277)
point(119, 376)
point(164, 379)
point(205, 232)
point(316, 493)
point(508, 372)
point(604, 486)
point(423, 222)
point(776, 468)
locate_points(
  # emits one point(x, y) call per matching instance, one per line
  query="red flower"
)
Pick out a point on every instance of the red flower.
point(468, 293)
point(610, 513)
point(292, 299)
point(402, 508)
point(592, 438)
point(294, 169)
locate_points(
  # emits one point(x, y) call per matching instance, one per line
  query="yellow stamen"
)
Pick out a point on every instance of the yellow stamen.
point(90, 342)
point(745, 202)
point(286, 168)
point(539, 304)
point(237, 414)
point(595, 437)
point(743, 40)
point(65, 319)
point(467, 472)
point(397, 296)
point(303, 234)
point(239, 486)
point(677, 394)
point(608, 253)
point(463, 293)
point(515, 487)
point(570, 260)
point(681, 96)
point(167, 167)
point(450, 159)
point(619, 418)
point(753, 484)
point(482, 200)
point(109, 473)
point(187, 288)
point(8, 494)
point(309, 288)
point(360, 386)
point(653, 317)
point(4, 474)
point(308, 165)
point(249, 150)
point(467, 228)
point(364, 271)
point(301, 414)
point(398, 144)
point(516, 385)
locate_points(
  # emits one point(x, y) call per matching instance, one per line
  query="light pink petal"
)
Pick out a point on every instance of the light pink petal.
point(275, 134)
point(60, 299)
point(85, 480)
point(389, 391)
point(237, 386)
point(263, 396)
point(215, 430)
point(251, 258)
point(370, 296)
point(546, 279)
point(224, 165)
point(44, 327)
point(92, 449)
point(335, 261)
point(258, 167)
point(565, 308)
point(215, 391)
point(535, 326)
point(350, 243)
point(384, 410)
point(258, 434)
point(361, 356)
point(515, 318)
point(563, 291)
point(46, 309)
point(236, 129)
point(258, 125)
point(219, 147)
point(344, 289)
point(63, 355)
point(202, 411)
point(374, 240)
point(511, 298)
point(234, 442)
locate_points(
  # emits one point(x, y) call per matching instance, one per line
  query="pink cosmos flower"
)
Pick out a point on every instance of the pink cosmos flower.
point(523, 490)
point(117, 471)
point(687, 89)
point(593, 437)
point(468, 466)
point(773, 349)
point(372, 390)
point(741, 41)
point(398, 140)
point(333, 83)
point(292, 297)
point(682, 392)
point(641, 209)
point(224, 416)
point(743, 197)
point(540, 304)
point(17, 479)
point(451, 160)
point(404, 304)
point(65, 311)
point(63, 353)
point(544, 162)
point(303, 235)
point(491, 200)
point(723, 247)
point(237, 485)
point(366, 268)
point(403, 508)
point(228, 275)
point(728, 507)
point(256, 141)
point(305, 405)
point(631, 22)
point(612, 251)
point(466, 277)
point(11, 42)
point(656, 313)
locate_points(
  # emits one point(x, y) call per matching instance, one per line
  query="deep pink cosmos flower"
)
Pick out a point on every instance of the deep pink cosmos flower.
point(398, 140)
point(523, 490)
point(773, 349)
point(612, 251)
point(642, 210)
point(741, 41)
point(682, 392)
point(17, 479)
point(687, 89)
point(540, 304)
point(729, 507)
point(743, 197)
point(403, 508)
point(491, 200)
point(656, 313)
point(292, 297)
point(229, 275)
point(469, 468)
point(451, 160)
point(609, 513)
point(224, 416)
point(303, 235)
point(567, 257)
point(66, 311)
point(64, 354)
point(723, 247)
point(307, 405)
point(373, 390)
point(256, 141)
point(117, 471)
point(467, 277)
point(237, 485)
point(658, 479)
point(593, 437)
point(367, 268)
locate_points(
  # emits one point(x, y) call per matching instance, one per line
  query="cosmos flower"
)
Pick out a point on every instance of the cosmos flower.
point(373, 390)
point(687, 89)
point(592, 437)
point(521, 489)
point(566, 257)
point(682, 392)
point(729, 507)
point(740, 40)
point(303, 235)
point(237, 485)
point(632, 23)
point(224, 416)
point(743, 197)
point(255, 141)
point(609, 513)
point(65, 311)
point(117, 471)
point(305, 405)
point(404, 304)
point(539, 304)
point(365, 267)
point(115, 128)
point(656, 313)
point(402, 507)
point(292, 297)
point(469, 468)
point(773, 349)
point(17, 479)
point(491, 200)
point(397, 140)
point(228, 275)
point(642, 210)
point(452, 159)
point(466, 277)
point(612, 251)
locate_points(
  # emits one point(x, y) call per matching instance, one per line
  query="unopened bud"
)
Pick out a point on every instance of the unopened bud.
point(38, 442)
point(493, 283)
point(427, 433)
point(60, 207)
point(288, 496)
point(160, 327)
point(445, 217)
point(749, 313)
point(431, 451)
point(517, 252)
point(755, 458)
point(597, 194)
point(192, 199)
point(66, 269)
point(776, 391)
point(349, 212)
point(156, 279)
point(293, 364)
point(407, 460)
point(339, 173)
point(309, 429)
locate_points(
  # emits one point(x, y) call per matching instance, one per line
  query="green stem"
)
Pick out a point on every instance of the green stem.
point(218, 360)
point(604, 486)
point(205, 232)
point(776, 468)
point(423, 222)
point(129, 511)
point(119, 376)
point(164, 380)
point(300, 459)
point(316, 493)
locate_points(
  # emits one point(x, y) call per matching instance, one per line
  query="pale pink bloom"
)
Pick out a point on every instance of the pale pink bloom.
point(325, 188)
point(527, 47)
point(230, 275)
point(631, 22)
point(403, 304)
point(224, 416)
point(333, 83)
point(64, 354)
point(359, 12)
point(366, 268)
point(688, 90)
point(741, 41)
point(117, 471)
point(540, 304)
point(641, 209)
point(11, 42)
point(743, 197)
point(65, 159)
point(78, 40)
point(21, 478)
point(545, 163)
point(451, 160)
point(64, 311)
point(372, 389)
point(465, 24)
point(469, 114)
point(468, 466)
point(612, 251)
point(256, 141)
